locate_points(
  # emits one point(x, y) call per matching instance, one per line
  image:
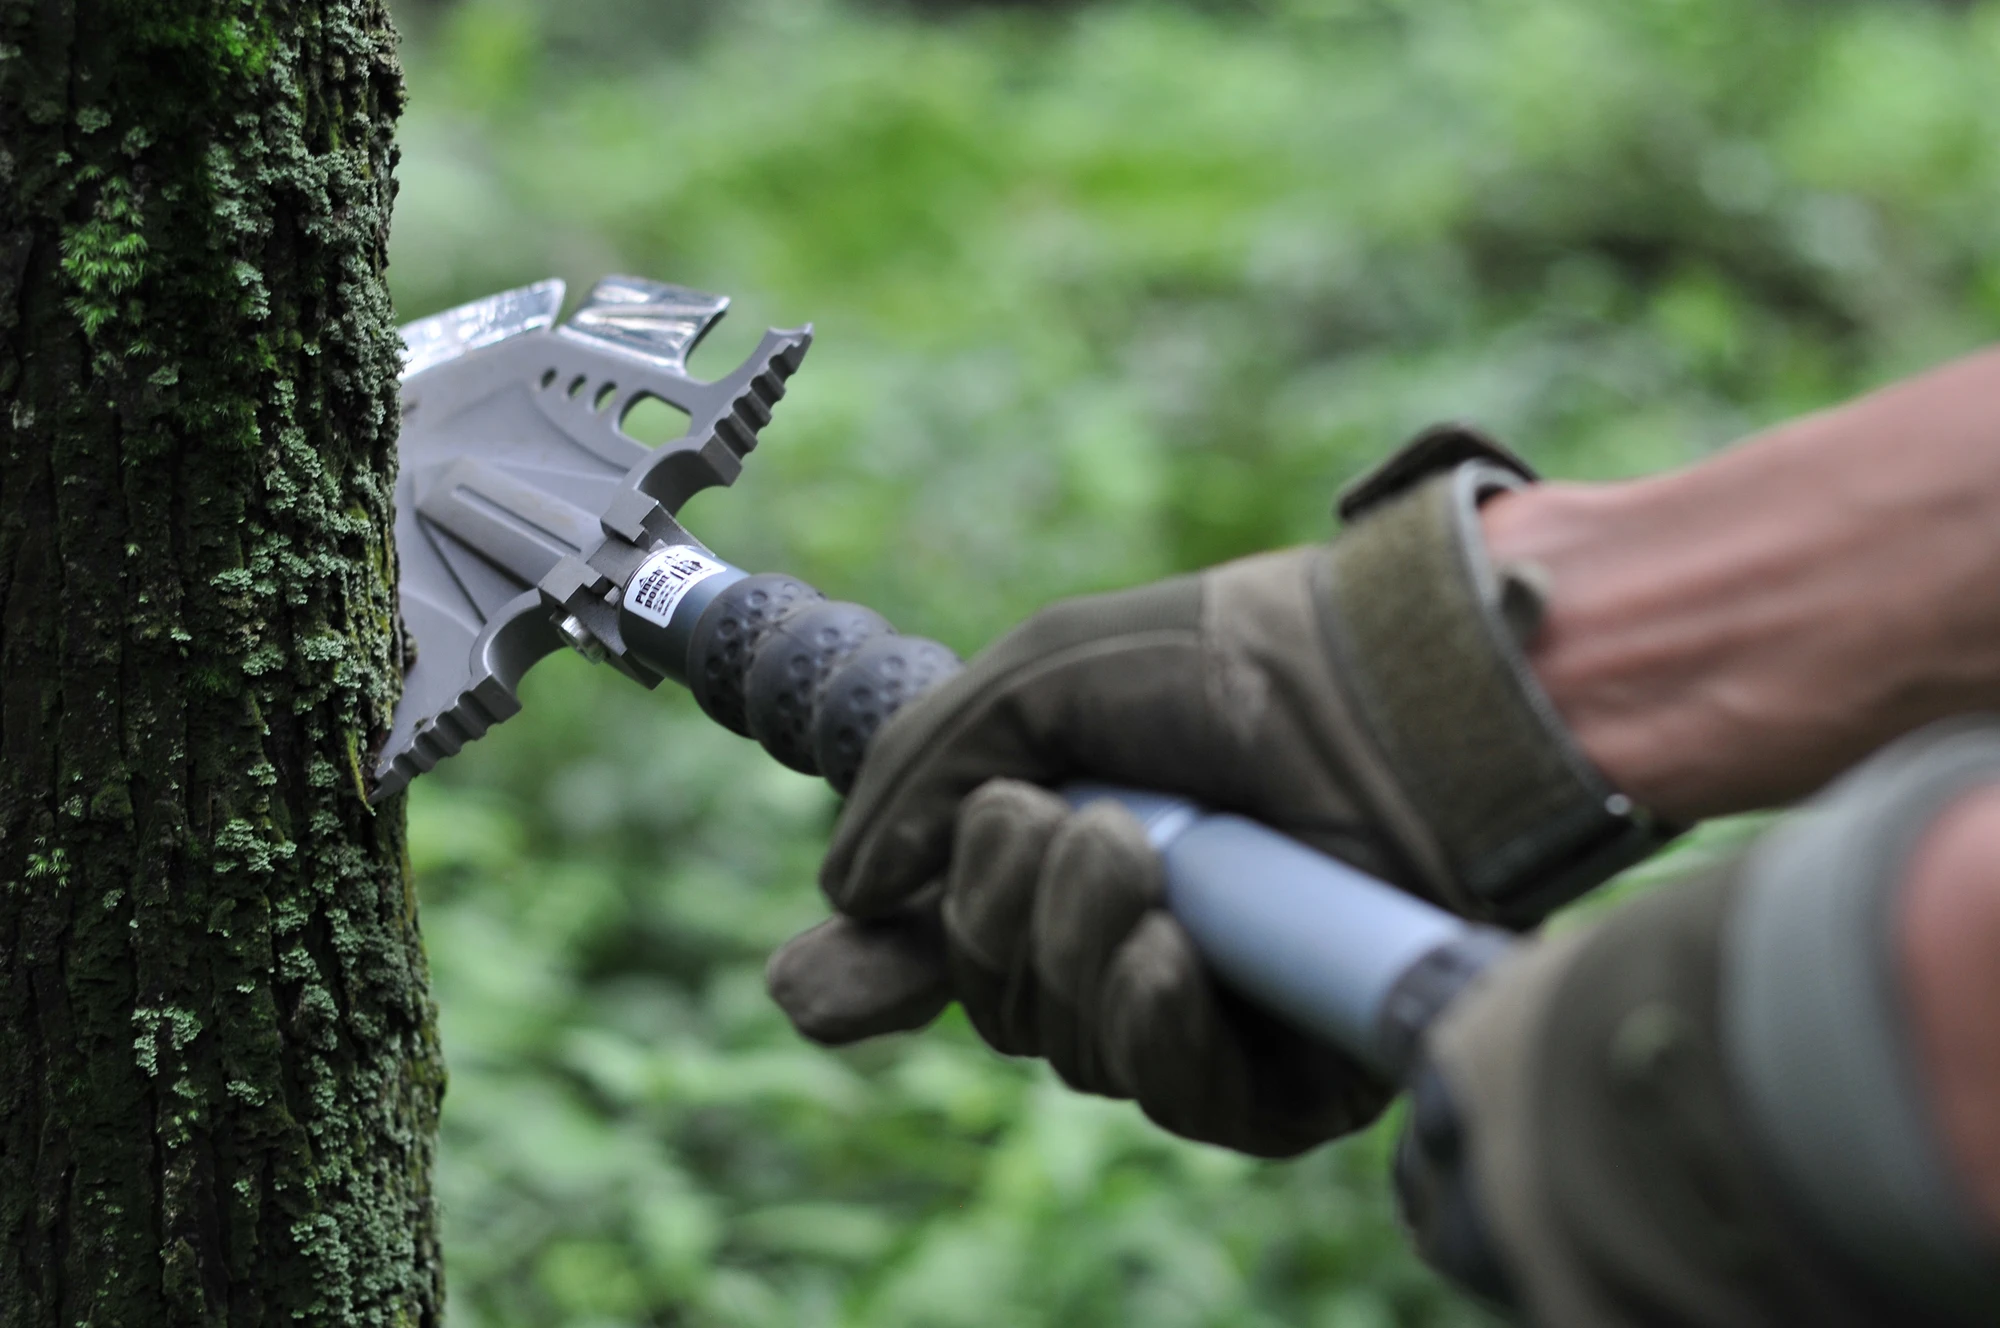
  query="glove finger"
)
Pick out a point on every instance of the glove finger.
point(1162, 1033)
point(1100, 878)
point(1096, 684)
point(1004, 832)
point(848, 979)
point(1205, 1064)
point(1302, 1092)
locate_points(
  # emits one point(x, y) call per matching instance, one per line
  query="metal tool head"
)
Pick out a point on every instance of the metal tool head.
point(521, 503)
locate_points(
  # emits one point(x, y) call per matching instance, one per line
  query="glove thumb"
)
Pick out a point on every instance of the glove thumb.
point(849, 979)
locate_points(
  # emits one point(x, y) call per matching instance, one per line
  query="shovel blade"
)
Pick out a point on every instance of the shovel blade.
point(512, 458)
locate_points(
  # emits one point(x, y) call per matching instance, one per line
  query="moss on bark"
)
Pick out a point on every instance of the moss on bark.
point(219, 1075)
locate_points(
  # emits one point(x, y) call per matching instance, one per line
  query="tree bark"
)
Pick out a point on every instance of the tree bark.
point(219, 1075)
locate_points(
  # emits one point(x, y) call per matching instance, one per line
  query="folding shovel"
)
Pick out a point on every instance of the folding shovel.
point(528, 521)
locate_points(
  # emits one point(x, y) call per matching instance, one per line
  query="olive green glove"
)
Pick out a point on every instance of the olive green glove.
point(1706, 1106)
point(1367, 697)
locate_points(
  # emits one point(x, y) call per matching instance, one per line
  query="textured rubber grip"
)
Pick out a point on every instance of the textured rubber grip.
point(866, 688)
point(727, 636)
point(810, 678)
point(781, 691)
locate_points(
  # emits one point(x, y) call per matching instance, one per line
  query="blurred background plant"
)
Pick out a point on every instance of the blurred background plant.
point(1103, 291)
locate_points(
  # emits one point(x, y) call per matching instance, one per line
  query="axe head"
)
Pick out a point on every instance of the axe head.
point(521, 503)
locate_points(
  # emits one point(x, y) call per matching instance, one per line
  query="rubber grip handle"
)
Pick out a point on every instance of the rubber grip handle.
point(810, 678)
point(1340, 954)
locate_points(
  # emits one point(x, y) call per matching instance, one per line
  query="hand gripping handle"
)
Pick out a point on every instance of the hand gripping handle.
point(1342, 955)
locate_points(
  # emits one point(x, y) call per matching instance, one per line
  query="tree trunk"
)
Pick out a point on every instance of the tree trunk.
point(219, 1076)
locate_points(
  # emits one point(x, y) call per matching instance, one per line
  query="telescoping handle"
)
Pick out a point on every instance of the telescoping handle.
point(1344, 956)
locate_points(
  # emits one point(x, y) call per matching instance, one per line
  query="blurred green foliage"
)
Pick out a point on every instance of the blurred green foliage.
point(1102, 292)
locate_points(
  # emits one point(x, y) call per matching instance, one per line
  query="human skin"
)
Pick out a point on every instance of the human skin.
point(1733, 635)
point(1951, 959)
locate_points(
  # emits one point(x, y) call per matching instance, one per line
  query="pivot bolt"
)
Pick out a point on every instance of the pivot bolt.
point(580, 638)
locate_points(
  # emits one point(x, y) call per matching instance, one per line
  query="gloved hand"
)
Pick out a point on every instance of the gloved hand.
point(1707, 1106)
point(1367, 697)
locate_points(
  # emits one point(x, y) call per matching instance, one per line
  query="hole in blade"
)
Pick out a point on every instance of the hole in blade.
point(575, 386)
point(604, 395)
point(652, 421)
point(548, 377)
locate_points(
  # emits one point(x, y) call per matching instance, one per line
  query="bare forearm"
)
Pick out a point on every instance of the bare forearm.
point(1732, 635)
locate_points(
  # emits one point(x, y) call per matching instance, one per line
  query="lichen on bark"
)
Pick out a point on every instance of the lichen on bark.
point(219, 1075)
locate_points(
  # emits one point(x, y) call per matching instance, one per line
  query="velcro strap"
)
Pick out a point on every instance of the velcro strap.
point(1412, 610)
point(1439, 448)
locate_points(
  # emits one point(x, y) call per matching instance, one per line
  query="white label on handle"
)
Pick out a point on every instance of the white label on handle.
point(664, 580)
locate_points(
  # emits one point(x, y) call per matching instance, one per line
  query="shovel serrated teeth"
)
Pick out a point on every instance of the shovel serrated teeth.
point(477, 709)
point(750, 409)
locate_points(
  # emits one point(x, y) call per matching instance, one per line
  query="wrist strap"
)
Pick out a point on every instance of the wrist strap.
point(1423, 631)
